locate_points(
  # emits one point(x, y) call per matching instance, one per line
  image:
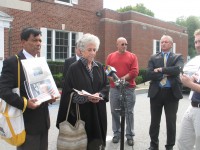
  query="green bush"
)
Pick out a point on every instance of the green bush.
point(58, 79)
point(139, 80)
point(142, 72)
point(56, 67)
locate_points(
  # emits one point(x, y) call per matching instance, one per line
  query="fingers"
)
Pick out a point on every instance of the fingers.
point(33, 103)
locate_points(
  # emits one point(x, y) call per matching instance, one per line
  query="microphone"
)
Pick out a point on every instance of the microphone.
point(111, 71)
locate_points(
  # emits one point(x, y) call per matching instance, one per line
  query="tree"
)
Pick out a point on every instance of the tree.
point(138, 8)
point(192, 23)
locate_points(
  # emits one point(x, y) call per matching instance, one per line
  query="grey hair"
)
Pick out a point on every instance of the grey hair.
point(88, 39)
point(167, 36)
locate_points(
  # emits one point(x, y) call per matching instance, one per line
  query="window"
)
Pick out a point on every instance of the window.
point(49, 44)
point(60, 45)
point(67, 2)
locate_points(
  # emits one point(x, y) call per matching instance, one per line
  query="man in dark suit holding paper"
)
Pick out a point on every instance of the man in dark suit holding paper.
point(165, 90)
point(36, 116)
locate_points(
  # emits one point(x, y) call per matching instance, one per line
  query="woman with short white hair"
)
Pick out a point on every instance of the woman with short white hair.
point(89, 75)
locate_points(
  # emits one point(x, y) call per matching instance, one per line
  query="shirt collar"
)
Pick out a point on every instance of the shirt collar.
point(166, 53)
point(85, 61)
point(28, 55)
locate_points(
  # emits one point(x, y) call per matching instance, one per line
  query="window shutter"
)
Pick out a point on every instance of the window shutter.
point(75, 2)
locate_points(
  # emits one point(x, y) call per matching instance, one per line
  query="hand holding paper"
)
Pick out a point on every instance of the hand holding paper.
point(91, 97)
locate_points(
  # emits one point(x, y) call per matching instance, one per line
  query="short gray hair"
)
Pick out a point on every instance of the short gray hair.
point(87, 39)
point(167, 36)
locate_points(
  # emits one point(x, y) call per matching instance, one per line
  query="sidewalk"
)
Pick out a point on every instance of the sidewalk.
point(142, 88)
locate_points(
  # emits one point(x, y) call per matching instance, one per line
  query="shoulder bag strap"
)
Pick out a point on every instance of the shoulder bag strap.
point(78, 116)
point(70, 100)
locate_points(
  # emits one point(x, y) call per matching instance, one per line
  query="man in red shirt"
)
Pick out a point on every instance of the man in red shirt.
point(126, 65)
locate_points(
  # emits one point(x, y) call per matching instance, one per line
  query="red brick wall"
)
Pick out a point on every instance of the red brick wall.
point(46, 13)
point(139, 30)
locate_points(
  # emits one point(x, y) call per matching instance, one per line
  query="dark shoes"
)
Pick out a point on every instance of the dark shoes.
point(115, 139)
point(152, 148)
point(130, 142)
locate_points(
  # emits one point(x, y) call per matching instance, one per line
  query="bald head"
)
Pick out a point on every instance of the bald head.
point(121, 44)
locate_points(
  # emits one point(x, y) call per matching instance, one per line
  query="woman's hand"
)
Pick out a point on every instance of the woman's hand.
point(94, 98)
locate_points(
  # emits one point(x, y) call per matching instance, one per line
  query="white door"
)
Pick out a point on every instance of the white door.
point(1, 47)
point(5, 20)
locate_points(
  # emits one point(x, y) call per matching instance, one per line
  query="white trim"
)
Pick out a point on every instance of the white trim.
point(16, 4)
point(70, 44)
point(53, 44)
point(74, 2)
point(63, 3)
point(154, 46)
point(1, 47)
point(43, 51)
point(174, 47)
point(79, 35)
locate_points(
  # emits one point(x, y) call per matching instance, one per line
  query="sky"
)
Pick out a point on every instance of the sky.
point(166, 10)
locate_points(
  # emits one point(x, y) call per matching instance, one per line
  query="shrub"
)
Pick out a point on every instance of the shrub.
point(142, 72)
point(139, 80)
point(58, 79)
point(56, 67)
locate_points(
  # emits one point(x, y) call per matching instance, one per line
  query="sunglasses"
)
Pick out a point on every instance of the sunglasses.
point(124, 44)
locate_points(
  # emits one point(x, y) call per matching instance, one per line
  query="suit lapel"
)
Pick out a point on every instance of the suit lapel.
point(170, 59)
point(21, 55)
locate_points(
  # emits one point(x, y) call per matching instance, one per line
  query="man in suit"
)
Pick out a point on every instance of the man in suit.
point(36, 116)
point(165, 90)
point(71, 60)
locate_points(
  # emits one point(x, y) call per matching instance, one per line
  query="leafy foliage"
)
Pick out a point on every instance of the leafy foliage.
point(192, 23)
point(58, 79)
point(138, 8)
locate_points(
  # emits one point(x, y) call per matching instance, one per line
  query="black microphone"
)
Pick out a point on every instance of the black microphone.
point(111, 71)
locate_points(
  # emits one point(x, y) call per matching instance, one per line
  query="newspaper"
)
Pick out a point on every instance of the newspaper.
point(85, 93)
point(39, 82)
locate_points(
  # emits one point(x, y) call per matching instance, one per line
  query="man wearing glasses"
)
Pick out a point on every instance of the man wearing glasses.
point(126, 65)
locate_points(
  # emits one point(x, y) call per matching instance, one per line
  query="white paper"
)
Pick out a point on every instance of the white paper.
point(39, 81)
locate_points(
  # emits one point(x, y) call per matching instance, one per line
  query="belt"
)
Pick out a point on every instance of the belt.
point(195, 104)
point(165, 88)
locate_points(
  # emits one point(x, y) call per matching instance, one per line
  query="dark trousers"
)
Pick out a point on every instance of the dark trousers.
point(166, 99)
point(35, 142)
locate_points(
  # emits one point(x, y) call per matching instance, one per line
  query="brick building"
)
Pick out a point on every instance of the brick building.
point(62, 22)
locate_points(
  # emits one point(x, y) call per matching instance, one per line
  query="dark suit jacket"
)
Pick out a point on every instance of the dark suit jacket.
point(36, 121)
point(68, 62)
point(174, 67)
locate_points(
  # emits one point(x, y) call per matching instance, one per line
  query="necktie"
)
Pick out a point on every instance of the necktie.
point(164, 80)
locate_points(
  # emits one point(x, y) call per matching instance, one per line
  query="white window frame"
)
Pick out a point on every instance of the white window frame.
point(43, 52)
point(66, 3)
point(158, 41)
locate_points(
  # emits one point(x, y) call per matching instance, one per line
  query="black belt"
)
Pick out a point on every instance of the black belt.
point(195, 104)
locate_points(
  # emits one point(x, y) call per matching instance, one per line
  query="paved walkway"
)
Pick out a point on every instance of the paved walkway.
point(142, 122)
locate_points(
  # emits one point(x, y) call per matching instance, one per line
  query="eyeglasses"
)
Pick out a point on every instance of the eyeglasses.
point(124, 44)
